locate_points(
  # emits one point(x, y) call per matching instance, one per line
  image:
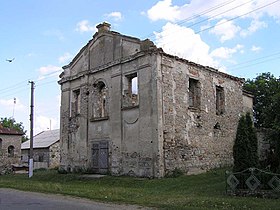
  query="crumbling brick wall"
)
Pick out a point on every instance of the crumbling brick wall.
point(198, 138)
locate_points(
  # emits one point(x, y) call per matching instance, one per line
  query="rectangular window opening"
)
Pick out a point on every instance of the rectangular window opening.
point(100, 101)
point(194, 93)
point(130, 90)
point(220, 100)
point(41, 158)
point(76, 103)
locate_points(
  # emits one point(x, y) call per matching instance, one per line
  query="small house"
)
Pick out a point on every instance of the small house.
point(45, 150)
point(10, 140)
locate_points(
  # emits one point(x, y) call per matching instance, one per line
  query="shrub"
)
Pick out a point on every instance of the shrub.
point(245, 149)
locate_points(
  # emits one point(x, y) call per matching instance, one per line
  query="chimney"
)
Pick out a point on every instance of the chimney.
point(103, 27)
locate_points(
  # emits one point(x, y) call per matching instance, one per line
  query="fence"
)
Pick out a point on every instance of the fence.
point(253, 182)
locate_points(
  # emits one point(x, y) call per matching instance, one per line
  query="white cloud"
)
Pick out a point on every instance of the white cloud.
point(254, 26)
point(42, 123)
point(58, 99)
point(49, 71)
point(216, 11)
point(255, 48)
point(84, 26)
point(65, 58)
point(183, 42)
point(225, 29)
point(10, 103)
point(164, 10)
point(116, 16)
point(226, 53)
point(272, 11)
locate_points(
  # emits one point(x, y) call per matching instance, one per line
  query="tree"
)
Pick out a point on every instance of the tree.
point(266, 89)
point(252, 141)
point(245, 148)
point(11, 123)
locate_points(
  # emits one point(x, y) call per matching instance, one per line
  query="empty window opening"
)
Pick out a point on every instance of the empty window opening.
point(11, 151)
point(76, 103)
point(134, 85)
point(130, 90)
point(220, 100)
point(0, 144)
point(194, 93)
point(100, 100)
point(41, 158)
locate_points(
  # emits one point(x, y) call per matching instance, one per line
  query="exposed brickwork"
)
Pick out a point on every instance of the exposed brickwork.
point(191, 140)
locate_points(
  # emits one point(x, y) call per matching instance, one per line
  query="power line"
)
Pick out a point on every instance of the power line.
point(242, 66)
point(211, 17)
point(21, 85)
point(14, 93)
point(18, 85)
point(228, 20)
point(256, 59)
point(46, 83)
point(197, 15)
point(239, 16)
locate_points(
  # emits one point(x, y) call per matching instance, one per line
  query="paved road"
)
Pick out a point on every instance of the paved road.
point(14, 199)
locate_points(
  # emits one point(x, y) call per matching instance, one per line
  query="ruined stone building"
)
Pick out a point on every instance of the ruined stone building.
point(128, 108)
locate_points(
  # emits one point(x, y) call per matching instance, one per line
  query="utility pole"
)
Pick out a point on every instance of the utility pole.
point(15, 101)
point(30, 174)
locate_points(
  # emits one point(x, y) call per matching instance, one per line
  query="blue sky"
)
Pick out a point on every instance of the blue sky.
point(239, 37)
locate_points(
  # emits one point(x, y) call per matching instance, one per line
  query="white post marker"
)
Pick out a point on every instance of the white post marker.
point(30, 171)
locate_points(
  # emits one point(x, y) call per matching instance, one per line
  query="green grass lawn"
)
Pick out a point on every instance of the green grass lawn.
point(204, 191)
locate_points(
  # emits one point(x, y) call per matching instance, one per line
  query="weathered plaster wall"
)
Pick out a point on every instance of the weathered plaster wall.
point(192, 142)
point(129, 130)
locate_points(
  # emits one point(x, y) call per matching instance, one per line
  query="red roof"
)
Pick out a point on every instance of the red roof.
point(9, 131)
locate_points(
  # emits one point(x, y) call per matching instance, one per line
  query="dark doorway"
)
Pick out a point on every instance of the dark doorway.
point(100, 157)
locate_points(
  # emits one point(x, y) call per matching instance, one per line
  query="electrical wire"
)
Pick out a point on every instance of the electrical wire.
point(221, 23)
point(211, 17)
point(19, 86)
point(197, 15)
point(6, 91)
point(243, 65)
point(239, 16)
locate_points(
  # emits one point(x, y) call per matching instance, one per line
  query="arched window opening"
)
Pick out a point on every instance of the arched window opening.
point(100, 100)
point(76, 103)
point(11, 151)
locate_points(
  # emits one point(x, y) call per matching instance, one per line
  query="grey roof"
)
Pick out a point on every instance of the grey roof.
point(43, 139)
